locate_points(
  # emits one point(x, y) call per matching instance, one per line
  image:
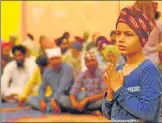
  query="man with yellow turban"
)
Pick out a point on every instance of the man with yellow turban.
point(111, 54)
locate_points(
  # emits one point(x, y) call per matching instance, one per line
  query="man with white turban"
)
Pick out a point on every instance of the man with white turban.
point(60, 77)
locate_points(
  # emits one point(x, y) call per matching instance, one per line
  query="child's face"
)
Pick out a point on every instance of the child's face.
point(127, 41)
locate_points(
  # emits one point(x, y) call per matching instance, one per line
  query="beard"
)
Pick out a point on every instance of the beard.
point(20, 64)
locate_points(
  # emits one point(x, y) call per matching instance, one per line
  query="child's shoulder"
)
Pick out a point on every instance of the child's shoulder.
point(147, 64)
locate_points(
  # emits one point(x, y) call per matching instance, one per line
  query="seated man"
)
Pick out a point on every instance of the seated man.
point(34, 83)
point(60, 77)
point(73, 57)
point(5, 54)
point(16, 74)
point(88, 90)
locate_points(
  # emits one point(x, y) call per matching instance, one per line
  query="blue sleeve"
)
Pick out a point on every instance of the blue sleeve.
point(65, 82)
point(145, 106)
point(106, 107)
point(43, 86)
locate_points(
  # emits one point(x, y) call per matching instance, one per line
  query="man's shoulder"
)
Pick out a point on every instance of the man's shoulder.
point(66, 66)
point(147, 65)
point(11, 64)
point(48, 70)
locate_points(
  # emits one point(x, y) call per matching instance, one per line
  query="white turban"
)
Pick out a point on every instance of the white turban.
point(53, 52)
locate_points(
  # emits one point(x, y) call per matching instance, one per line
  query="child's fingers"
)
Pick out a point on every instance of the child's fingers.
point(120, 73)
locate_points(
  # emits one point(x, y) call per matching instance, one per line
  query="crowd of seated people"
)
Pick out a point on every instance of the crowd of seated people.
point(67, 77)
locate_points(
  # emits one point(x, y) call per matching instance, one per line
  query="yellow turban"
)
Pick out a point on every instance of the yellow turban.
point(110, 48)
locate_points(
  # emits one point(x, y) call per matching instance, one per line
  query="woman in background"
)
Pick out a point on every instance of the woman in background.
point(150, 49)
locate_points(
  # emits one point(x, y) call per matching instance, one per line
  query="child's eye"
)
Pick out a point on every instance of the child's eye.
point(118, 33)
point(128, 34)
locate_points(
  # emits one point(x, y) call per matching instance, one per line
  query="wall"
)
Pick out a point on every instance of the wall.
point(10, 19)
point(53, 18)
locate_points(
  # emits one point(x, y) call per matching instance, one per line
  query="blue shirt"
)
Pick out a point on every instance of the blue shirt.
point(139, 98)
point(60, 81)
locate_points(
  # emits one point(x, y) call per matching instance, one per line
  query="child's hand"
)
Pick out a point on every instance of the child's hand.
point(115, 79)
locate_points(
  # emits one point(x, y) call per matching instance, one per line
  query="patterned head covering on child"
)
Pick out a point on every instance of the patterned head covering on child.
point(137, 21)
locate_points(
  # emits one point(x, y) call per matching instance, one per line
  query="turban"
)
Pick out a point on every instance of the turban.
point(77, 45)
point(89, 55)
point(104, 43)
point(137, 21)
point(79, 39)
point(110, 48)
point(53, 52)
point(42, 60)
point(5, 44)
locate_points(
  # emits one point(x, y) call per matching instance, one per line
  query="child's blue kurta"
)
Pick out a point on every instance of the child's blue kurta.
point(139, 98)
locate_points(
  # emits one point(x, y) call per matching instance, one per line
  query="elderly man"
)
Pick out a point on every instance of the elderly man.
point(59, 77)
point(88, 90)
point(63, 43)
point(16, 74)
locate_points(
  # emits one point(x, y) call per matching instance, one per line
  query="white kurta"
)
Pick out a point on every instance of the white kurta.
point(18, 77)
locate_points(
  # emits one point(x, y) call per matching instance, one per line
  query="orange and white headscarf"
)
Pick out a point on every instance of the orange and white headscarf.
point(89, 55)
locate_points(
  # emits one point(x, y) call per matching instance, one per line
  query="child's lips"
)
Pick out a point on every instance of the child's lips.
point(121, 47)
